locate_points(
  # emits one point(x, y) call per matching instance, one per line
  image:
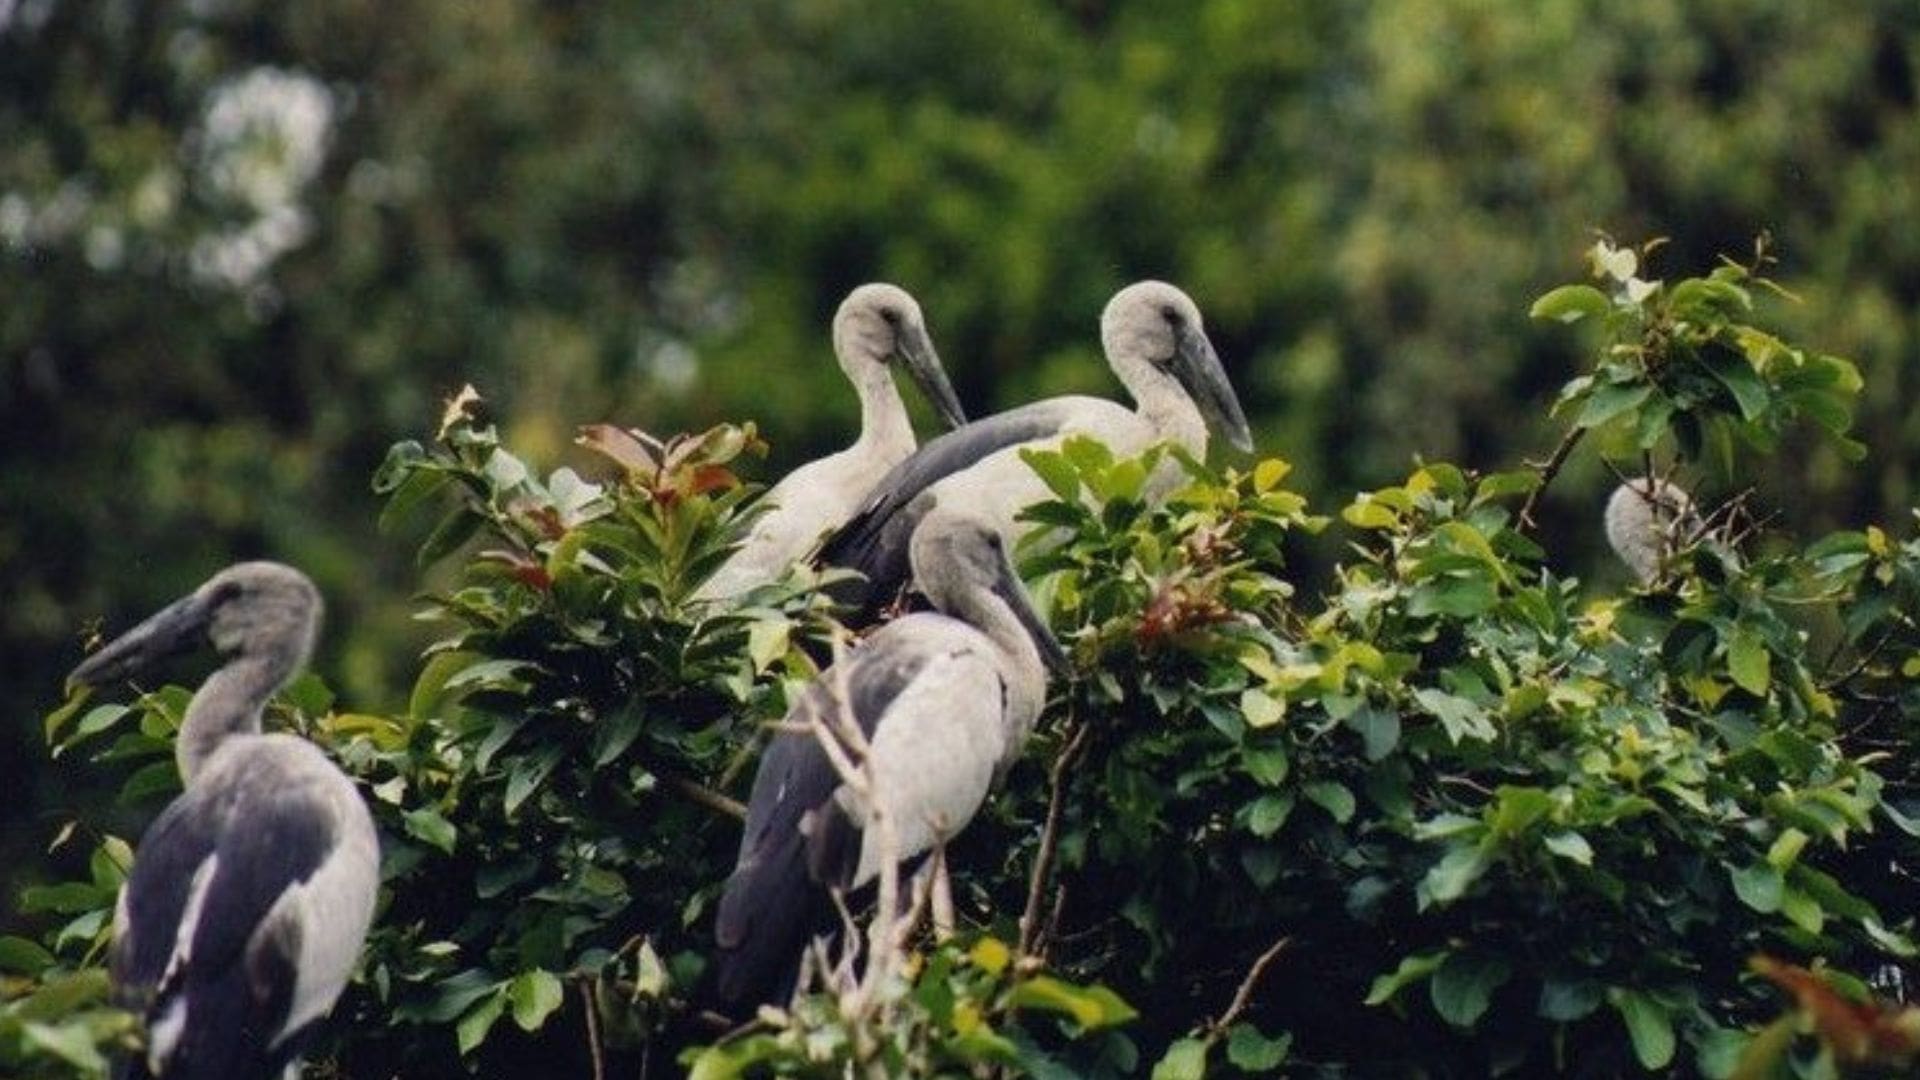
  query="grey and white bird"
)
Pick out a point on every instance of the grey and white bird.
point(876, 325)
point(1647, 521)
point(1157, 345)
point(945, 699)
point(252, 892)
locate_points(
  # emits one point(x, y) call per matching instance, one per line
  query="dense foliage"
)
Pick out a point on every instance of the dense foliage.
point(1459, 815)
point(245, 246)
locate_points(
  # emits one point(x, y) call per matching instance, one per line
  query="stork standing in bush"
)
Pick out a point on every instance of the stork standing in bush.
point(251, 894)
point(944, 701)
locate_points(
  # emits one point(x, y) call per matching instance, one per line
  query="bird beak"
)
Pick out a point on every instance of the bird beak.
point(172, 630)
point(1008, 588)
point(923, 363)
point(1198, 368)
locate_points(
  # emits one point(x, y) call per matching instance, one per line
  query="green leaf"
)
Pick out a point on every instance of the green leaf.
point(529, 773)
point(1749, 662)
point(419, 486)
point(535, 995)
point(1567, 1000)
point(1268, 764)
point(23, 957)
point(454, 530)
point(1454, 874)
point(1412, 969)
point(70, 1042)
point(1268, 813)
point(472, 1029)
point(1570, 304)
point(1184, 1060)
point(1261, 708)
point(1460, 717)
point(1609, 400)
point(1090, 1006)
point(1759, 887)
point(1570, 845)
point(1736, 373)
point(1648, 1024)
point(427, 825)
point(1253, 1052)
point(1332, 797)
point(1463, 987)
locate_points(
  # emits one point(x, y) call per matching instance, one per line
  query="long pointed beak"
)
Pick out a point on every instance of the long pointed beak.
point(923, 363)
point(168, 632)
point(1199, 369)
point(1007, 587)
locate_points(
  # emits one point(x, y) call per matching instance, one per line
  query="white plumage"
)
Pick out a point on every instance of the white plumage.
point(875, 325)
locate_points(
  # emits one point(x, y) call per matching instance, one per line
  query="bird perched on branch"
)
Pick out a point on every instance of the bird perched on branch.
point(251, 894)
point(1647, 521)
point(1157, 345)
point(943, 702)
point(876, 325)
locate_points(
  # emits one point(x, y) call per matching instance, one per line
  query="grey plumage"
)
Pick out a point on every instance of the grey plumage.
point(945, 700)
point(251, 893)
point(1647, 521)
point(1156, 343)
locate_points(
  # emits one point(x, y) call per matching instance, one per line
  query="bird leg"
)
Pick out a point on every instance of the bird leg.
point(942, 889)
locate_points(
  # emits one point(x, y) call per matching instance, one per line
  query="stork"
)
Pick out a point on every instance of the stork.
point(875, 325)
point(1647, 520)
point(1157, 346)
point(252, 892)
point(945, 698)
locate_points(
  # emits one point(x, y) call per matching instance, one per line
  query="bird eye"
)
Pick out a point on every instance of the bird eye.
point(892, 315)
point(1172, 315)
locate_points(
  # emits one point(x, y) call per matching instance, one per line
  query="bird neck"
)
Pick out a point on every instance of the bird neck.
point(228, 703)
point(1026, 670)
point(884, 425)
point(1166, 406)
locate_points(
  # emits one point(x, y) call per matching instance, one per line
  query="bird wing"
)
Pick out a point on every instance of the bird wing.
point(214, 975)
point(770, 904)
point(874, 541)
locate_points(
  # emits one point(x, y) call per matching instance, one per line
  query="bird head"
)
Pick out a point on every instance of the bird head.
point(261, 609)
point(1154, 324)
point(961, 563)
point(880, 323)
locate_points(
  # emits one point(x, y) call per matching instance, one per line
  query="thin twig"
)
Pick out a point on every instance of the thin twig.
point(700, 795)
point(1548, 470)
point(1244, 994)
point(595, 1051)
point(1049, 839)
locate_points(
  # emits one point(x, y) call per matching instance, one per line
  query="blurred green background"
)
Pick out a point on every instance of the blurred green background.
point(244, 246)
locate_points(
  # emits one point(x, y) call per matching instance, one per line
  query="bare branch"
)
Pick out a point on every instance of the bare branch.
point(1244, 995)
point(1549, 469)
point(596, 1051)
point(1030, 930)
point(700, 795)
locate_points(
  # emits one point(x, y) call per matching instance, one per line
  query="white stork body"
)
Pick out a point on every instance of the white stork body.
point(875, 324)
point(252, 892)
point(1648, 520)
point(1158, 348)
point(945, 701)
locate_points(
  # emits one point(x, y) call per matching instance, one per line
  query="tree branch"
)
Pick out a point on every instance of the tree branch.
point(595, 1051)
point(1049, 840)
point(1549, 469)
point(1244, 994)
point(700, 795)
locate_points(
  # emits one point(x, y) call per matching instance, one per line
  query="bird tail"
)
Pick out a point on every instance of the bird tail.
point(768, 912)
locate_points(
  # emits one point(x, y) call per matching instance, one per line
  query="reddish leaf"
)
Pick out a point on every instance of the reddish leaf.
point(711, 478)
point(1858, 1033)
point(627, 449)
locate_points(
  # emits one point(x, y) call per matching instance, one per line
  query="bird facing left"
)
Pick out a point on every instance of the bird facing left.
point(251, 894)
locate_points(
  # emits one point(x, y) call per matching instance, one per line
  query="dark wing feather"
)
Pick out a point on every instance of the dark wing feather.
point(771, 903)
point(874, 541)
point(268, 833)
